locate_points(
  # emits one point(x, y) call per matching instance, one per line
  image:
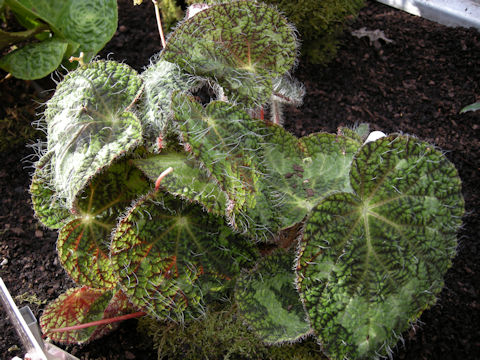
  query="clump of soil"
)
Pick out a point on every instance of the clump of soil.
point(415, 84)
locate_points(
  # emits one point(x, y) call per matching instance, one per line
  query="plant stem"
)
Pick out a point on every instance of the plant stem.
point(160, 178)
point(159, 23)
point(100, 322)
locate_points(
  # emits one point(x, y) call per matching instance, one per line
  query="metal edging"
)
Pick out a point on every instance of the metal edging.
point(454, 13)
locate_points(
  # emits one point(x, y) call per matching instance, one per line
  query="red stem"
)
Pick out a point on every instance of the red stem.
point(100, 322)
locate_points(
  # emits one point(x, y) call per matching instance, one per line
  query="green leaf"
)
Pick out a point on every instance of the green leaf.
point(48, 208)
point(371, 261)
point(89, 123)
point(83, 252)
point(161, 79)
point(79, 306)
point(90, 23)
point(226, 140)
point(303, 171)
point(10, 38)
point(242, 45)
point(83, 243)
point(471, 107)
point(268, 300)
point(272, 178)
point(187, 180)
point(34, 61)
point(168, 254)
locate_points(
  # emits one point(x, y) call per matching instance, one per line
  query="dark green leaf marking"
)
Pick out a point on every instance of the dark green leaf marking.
point(241, 45)
point(89, 123)
point(83, 243)
point(371, 261)
point(268, 300)
point(168, 254)
point(187, 180)
point(48, 208)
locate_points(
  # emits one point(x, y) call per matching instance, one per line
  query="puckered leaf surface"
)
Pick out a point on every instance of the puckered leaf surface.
point(229, 144)
point(187, 180)
point(89, 123)
point(168, 254)
point(35, 61)
point(79, 306)
point(272, 178)
point(242, 45)
point(268, 300)
point(83, 243)
point(303, 171)
point(48, 208)
point(161, 79)
point(372, 260)
point(88, 23)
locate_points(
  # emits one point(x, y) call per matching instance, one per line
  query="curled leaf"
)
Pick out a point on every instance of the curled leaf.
point(90, 124)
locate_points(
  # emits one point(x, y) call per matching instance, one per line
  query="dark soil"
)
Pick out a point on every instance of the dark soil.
point(417, 85)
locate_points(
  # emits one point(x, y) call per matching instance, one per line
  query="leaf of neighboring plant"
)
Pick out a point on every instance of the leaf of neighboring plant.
point(187, 180)
point(83, 244)
point(79, 306)
point(48, 208)
point(471, 107)
point(161, 79)
point(268, 300)
point(371, 261)
point(242, 45)
point(89, 125)
point(10, 38)
point(34, 61)
point(90, 23)
point(166, 253)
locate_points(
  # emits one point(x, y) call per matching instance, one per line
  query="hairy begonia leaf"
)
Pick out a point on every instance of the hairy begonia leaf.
point(227, 142)
point(271, 177)
point(288, 90)
point(48, 208)
point(83, 243)
point(268, 300)
point(161, 79)
point(83, 252)
point(89, 125)
point(36, 60)
point(359, 133)
point(242, 45)
point(303, 171)
point(89, 23)
point(167, 252)
point(79, 306)
point(372, 260)
point(188, 180)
